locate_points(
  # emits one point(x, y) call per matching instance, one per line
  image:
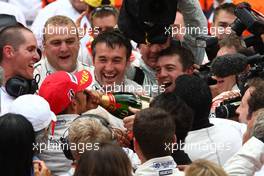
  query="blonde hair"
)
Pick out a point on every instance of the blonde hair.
point(88, 131)
point(204, 168)
point(59, 20)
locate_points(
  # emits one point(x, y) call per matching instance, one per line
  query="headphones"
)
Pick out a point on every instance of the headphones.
point(65, 145)
point(17, 86)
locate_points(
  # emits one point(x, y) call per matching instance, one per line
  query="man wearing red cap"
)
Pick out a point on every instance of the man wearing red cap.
point(67, 95)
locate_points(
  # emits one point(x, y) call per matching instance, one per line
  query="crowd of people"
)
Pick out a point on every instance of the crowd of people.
point(57, 57)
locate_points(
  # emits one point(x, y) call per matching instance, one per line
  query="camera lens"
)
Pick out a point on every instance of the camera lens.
point(227, 110)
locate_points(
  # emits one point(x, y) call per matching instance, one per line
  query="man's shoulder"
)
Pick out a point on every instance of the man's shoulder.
point(39, 67)
point(228, 125)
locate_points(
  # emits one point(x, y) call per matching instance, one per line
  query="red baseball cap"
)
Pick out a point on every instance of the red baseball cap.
point(60, 87)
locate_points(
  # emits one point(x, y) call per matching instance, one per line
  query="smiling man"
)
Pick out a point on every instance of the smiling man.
point(173, 62)
point(111, 52)
point(61, 47)
point(18, 54)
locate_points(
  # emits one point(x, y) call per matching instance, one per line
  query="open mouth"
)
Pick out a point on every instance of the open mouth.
point(109, 76)
point(167, 84)
point(64, 57)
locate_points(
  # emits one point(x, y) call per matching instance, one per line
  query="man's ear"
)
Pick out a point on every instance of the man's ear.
point(135, 144)
point(174, 139)
point(8, 51)
point(73, 106)
point(189, 71)
point(128, 63)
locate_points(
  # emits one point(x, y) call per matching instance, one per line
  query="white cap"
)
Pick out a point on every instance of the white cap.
point(35, 108)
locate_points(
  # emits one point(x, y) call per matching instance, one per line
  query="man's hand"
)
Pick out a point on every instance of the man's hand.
point(129, 120)
point(121, 137)
point(78, 25)
point(40, 168)
point(92, 100)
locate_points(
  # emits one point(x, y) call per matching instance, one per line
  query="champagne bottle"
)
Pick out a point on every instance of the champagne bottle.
point(117, 103)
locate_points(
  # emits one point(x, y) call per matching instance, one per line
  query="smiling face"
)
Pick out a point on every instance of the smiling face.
point(168, 69)
point(61, 47)
point(25, 56)
point(110, 64)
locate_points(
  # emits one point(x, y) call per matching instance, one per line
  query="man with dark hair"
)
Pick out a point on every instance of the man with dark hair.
point(252, 100)
point(111, 51)
point(182, 116)
point(207, 138)
point(224, 16)
point(18, 54)
point(173, 62)
point(153, 130)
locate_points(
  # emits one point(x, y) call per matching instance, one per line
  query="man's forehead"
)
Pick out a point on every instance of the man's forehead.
point(69, 29)
point(225, 16)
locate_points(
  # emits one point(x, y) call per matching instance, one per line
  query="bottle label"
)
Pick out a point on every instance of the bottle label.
point(109, 102)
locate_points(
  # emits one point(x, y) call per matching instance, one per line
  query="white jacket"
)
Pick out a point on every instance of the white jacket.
point(248, 160)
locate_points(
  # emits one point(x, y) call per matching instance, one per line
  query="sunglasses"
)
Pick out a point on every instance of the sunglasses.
point(104, 8)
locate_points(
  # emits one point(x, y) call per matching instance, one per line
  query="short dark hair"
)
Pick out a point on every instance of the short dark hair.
point(109, 159)
point(153, 128)
point(197, 95)
point(181, 113)
point(256, 100)
point(228, 7)
point(185, 55)
point(112, 38)
point(16, 149)
point(12, 36)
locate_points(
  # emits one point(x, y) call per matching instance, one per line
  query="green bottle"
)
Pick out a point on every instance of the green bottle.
point(117, 103)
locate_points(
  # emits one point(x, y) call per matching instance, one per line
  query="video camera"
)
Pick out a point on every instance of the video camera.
point(248, 18)
point(206, 74)
point(227, 108)
point(256, 63)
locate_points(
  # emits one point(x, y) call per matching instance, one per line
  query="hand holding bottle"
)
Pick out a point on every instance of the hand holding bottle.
point(117, 103)
point(129, 120)
point(92, 99)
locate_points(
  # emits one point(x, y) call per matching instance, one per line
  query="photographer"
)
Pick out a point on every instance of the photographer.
point(224, 16)
point(225, 70)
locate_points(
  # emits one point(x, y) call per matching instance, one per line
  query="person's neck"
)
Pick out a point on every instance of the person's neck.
point(201, 123)
point(7, 76)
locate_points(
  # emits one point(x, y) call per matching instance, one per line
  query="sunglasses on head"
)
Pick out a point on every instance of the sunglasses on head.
point(104, 8)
